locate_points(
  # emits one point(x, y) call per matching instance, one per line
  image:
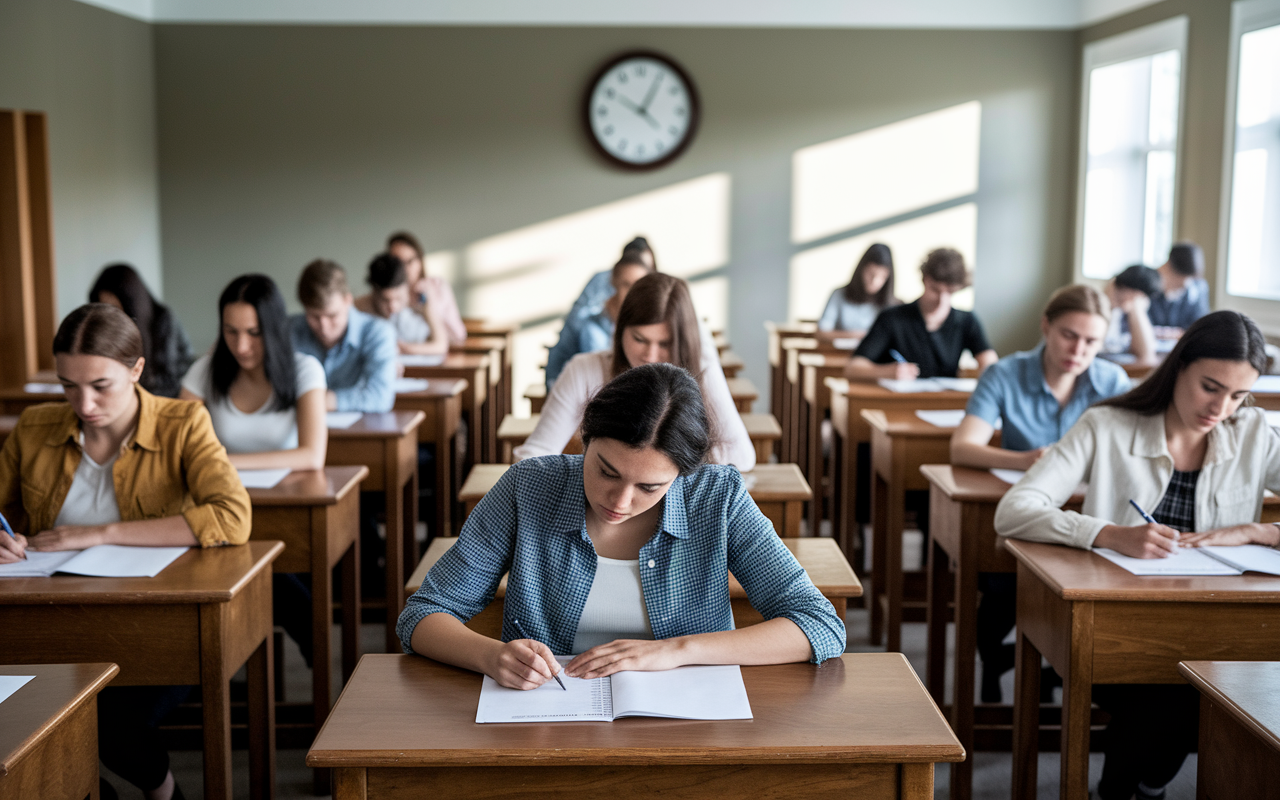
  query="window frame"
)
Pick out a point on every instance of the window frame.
point(1246, 16)
point(1158, 37)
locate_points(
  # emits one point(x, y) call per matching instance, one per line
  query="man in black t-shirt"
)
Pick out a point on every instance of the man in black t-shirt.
point(924, 339)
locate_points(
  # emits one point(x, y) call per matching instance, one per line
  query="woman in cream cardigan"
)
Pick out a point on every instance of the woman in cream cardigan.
point(656, 324)
point(1183, 448)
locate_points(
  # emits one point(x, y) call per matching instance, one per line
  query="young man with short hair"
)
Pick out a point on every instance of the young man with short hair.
point(417, 333)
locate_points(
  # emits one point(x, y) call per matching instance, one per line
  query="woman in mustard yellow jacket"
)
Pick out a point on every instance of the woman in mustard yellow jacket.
point(118, 465)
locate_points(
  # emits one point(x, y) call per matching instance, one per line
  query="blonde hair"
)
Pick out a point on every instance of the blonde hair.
point(1077, 297)
point(320, 280)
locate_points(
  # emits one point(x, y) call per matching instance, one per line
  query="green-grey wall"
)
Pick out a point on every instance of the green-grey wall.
point(281, 143)
point(92, 71)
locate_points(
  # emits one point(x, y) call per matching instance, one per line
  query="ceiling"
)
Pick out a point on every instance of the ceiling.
point(944, 14)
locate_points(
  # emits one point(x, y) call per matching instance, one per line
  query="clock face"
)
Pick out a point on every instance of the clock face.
point(642, 110)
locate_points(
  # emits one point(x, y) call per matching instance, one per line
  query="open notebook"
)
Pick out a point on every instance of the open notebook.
point(102, 561)
point(1213, 560)
point(682, 693)
point(930, 385)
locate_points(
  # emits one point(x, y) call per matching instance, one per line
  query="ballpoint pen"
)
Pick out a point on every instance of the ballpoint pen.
point(520, 630)
point(1177, 537)
point(4, 523)
point(896, 356)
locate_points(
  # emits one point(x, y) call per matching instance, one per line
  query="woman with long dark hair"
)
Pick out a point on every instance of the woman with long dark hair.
point(165, 343)
point(656, 324)
point(574, 533)
point(854, 306)
point(1185, 446)
point(267, 401)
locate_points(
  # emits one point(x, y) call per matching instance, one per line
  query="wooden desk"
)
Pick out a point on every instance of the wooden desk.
point(387, 444)
point(536, 394)
point(731, 363)
point(1239, 727)
point(441, 403)
point(1096, 623)
point(743, 393)
point(763, 430)
point(820, 558)
point(49, 732)
point(776, 332)
point(794, 425)
point(1268, 400)
point(316, 513)
point(474, 369)
point(499, 368)
point(405, 727)
point(778, 489)
point(508, 333)
point(815, 368)
point(848, 399)
point(197, 622)
point(15, 400)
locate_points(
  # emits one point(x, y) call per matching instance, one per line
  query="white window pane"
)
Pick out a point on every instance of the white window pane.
point(1248, 204)
point(1163, 128)
point(880, 173)
point(1104, 229)
point(711, 301)
point(1157, 234)
point(1119, 96)
point(1259, 93)
point(819, 271)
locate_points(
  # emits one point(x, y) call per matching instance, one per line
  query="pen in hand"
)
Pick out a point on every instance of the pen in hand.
point(1176, 536)
point(4, 523)
point(896, 356)
point(520, 630)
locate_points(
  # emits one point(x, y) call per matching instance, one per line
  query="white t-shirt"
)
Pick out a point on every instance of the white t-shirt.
point(91, 500)
point(615, 606)
point(257, 431)
point(410, 326)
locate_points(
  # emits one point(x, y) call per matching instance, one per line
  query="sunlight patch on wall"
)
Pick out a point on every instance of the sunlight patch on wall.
point(711, 299)
point(884, 172)
point(817, 272)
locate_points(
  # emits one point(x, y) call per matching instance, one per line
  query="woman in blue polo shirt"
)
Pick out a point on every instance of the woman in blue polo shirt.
point(621, 555)
point(1037, 396)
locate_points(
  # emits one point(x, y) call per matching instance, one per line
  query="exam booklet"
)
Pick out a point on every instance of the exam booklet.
point(930, 385)
point(100, 561)
point(1212, 560)
point(683, 693)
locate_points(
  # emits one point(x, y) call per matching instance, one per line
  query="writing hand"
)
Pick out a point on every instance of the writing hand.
point(902, 372)
point(1149, 540)
point(644, 655)
point(12, 548)
point(523, 664)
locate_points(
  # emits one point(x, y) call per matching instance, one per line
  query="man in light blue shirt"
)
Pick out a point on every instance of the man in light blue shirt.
point(358, 350)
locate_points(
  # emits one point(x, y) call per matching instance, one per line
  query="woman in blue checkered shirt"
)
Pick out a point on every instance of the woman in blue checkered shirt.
point(621, 555)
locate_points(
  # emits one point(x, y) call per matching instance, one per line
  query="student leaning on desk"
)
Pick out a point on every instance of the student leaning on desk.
point(621, 555)
point(117, 465)
point(1181, 446)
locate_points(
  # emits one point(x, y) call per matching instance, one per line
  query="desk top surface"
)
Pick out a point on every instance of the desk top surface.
point(903, 422)
point(1247, 690)
point(479, 343)
point(825, 359)
point(731, 359)
point(311, 487)
point(742, 387)
point(513, 427)
point(966, 484)
point(409, 711)
point(214, 575)
point(1075, 574)
point(453, 361)
point(762, 426)
point(391, 425)
point(437, 388)
point(34, 711)
point(861, 391)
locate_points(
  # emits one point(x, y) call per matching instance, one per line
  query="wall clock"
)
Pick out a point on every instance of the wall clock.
point(641, 110)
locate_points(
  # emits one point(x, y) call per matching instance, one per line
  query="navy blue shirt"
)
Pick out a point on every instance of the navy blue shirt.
point(1014, 390)
point(1190, 305)
point(937, 353)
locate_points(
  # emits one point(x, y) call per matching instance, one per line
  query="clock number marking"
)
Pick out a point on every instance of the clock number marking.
point(608, 130)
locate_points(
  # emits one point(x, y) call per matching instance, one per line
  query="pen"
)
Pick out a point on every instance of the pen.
point(896, 356)
point(1176, 535)
point(4, 523)
point(520, 630)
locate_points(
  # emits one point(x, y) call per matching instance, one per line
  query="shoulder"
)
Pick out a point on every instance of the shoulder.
point(548, 487)
point(1108, 421)
point(1109, 378)
point(711, 487)
point(1249, 422)
point(46, 415)
point(196, 380)
point(588, 367)
point(1006, 372)
point(371, 328)
point(309, 371)
point(897, 313)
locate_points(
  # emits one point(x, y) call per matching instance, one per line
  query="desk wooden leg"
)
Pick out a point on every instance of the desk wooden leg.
point(444, 488)
point(321, 639)
point(1026, 718)
point(1077, 700)
point(349, 783)
point(792, 511)
point(262, 721)
point(879, 544)
point(816, 467)
point(893, 578)
point(215, 696)
point(936, 624)
point(410, 494)
point(917, 781)
point(966, 615)
point(395, 510)
point(351, 611)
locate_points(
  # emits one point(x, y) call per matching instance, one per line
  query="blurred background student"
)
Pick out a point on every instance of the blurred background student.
point(587, 333)
point(855, 306)
point(427, 290)
point(165, 344)
point(1185, 298)
point(418, 330)
point(1131, 293)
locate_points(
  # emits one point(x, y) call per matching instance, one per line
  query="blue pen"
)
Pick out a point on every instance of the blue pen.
point(4, 523)
point(1144, 514)
point(520, 630)
point(896, 356)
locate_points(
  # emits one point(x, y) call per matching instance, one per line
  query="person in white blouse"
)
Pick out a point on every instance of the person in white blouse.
point(656, 324)
point(856, 305)
point(267, 404)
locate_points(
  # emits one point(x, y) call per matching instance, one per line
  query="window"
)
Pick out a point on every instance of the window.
point(1252, 170)
point(1129, 145)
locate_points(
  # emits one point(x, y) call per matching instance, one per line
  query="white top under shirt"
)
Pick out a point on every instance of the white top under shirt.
point(410, 326)
point(615, 606)
point(91, 500)
point(258, 431)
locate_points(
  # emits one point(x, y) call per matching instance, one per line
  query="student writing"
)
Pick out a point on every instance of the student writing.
point(427, 291)
point(928, 333)
point(854, 307)
point(656, 324)
point(621, 555)
point(357, 350)
point(164, 343)
point(1037, 396)
point(115, 464)
point(418, 330)
point(1180, 445)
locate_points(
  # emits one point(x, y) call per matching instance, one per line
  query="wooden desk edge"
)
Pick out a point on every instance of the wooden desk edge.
point(1189, 670)
point(107, 671)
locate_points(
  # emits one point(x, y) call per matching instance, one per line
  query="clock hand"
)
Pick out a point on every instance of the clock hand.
point(639, 111)
point(653, 90)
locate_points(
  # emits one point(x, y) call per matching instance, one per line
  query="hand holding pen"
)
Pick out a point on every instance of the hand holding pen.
point(538, 660)
point(1149, 540)
point(903, 370)
point(13, 547)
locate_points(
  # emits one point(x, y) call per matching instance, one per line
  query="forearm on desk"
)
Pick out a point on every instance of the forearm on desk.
point(444, 638)
point(775, 641)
